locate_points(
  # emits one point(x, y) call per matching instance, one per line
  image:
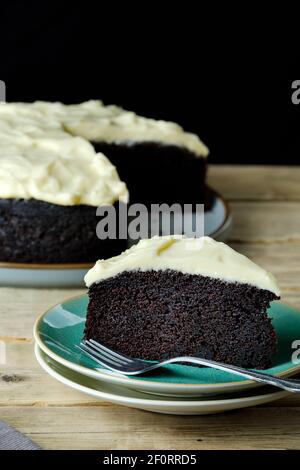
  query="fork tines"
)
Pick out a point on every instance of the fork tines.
point(105, 356)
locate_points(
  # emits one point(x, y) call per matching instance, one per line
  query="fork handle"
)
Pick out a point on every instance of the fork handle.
point(286, 384)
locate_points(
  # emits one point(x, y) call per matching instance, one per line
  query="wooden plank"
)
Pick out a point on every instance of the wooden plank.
point(125, 428)
point(28, 388)
point(24, 382)
point(255, 182)
point(19, 307)
point(267, 222)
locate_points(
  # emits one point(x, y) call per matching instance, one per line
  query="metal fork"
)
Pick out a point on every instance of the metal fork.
point(128, 366)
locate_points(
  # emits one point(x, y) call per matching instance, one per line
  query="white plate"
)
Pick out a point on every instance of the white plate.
point(43, 275)
point(134, 399)
point(218, 220)
point(217, 224)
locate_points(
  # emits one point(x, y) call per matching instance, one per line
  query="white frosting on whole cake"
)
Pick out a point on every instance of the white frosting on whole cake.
point(197, 256)
point(113, 124)
point(43, 162)
point(24, 118)
point(94, 121)
point(44, 154)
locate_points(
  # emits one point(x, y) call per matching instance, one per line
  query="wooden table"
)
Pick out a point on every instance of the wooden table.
point(266, 208)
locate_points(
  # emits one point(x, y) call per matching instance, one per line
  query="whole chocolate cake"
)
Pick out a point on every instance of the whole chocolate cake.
point(53, 175)
point(51, 184)
point(174, 296)
point(158, 160)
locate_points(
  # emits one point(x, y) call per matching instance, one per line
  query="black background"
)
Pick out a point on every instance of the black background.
point(233, 92)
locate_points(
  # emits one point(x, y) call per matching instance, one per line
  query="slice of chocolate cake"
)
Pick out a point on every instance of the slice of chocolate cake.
point(174, 296)
point(51, 184)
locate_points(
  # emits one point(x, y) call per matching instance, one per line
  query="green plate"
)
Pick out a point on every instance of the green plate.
point(59, 330)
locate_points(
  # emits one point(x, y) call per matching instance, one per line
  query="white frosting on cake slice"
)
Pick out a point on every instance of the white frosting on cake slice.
point(198, 256)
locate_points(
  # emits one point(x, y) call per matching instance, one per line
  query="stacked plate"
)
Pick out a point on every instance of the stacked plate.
point(175, 389)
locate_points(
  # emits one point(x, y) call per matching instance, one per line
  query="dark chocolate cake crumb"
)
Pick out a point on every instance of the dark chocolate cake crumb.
point(33, 231)
point(156, 315)
point(159, 173)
